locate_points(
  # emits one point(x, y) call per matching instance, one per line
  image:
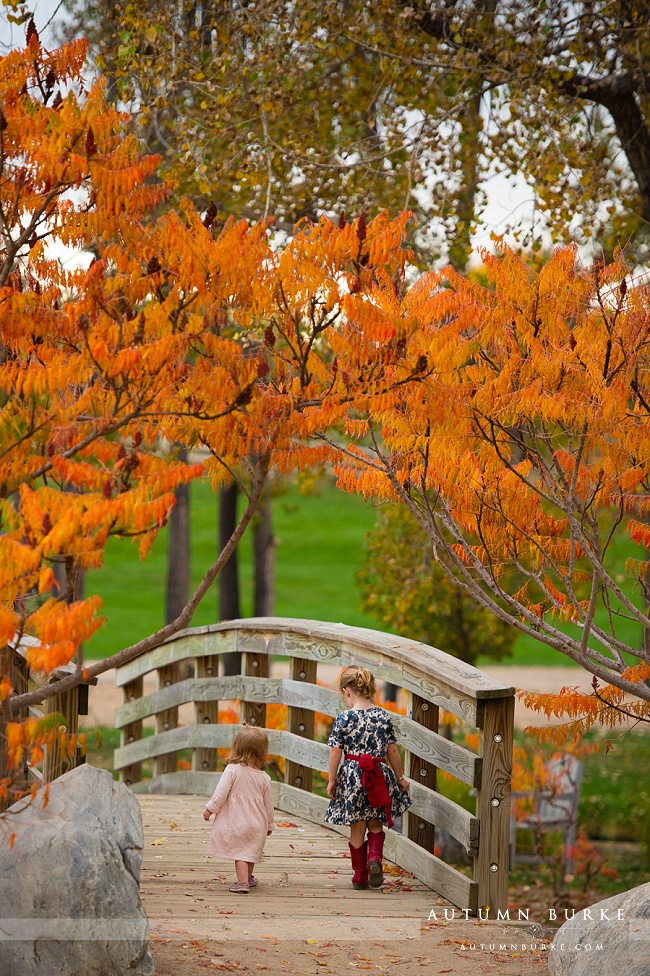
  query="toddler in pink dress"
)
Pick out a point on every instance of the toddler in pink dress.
point(243, 807)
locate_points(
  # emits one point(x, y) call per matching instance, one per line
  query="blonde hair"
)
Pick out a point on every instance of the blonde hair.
point(250, 747)
point(359, 680)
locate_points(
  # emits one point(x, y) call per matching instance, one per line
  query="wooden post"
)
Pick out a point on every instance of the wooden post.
point(57, 761)
point(206, 713)
point(167, 762)
point(421, 771)
point(257, 665)
point(300, 721)
point(15, 665)
point(132, 732)
point(493, 804)
point(19, 677)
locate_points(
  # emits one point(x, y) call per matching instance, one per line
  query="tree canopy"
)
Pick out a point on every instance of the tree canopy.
point(522, 452)
point(510, 419)
point(179, 332)
point(358, 105)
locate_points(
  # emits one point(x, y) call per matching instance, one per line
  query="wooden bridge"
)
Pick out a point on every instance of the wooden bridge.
point(432, 680)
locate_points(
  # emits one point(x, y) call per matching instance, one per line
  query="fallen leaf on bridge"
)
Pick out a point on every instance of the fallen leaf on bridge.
point(158, 841)
point(286, 823)
point(396, 869)
point(397, 885)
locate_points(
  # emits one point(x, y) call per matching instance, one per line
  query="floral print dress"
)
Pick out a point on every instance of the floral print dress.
point(360, 731)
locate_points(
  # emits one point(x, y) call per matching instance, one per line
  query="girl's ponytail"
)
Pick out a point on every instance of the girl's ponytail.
point(360, 680)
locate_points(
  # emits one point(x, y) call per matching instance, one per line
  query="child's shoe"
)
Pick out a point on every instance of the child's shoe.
point(252, 881)
point(240, 887)
point(359, 857)
point(375, 853)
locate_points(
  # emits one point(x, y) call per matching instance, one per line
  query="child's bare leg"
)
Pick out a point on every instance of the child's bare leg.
point(241, 870)
point(375, 826)
point(358, 832)
point(251, 868)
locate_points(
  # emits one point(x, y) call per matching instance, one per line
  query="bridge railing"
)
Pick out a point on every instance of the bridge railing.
point(432, 680)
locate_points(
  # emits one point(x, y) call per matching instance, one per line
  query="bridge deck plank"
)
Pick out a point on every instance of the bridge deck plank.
point(305, 875)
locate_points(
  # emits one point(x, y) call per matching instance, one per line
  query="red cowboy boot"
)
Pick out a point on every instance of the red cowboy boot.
point(375, 852)
point(359, 856)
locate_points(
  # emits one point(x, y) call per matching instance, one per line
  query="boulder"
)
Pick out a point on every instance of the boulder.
point(615, 939)
point(70, 881)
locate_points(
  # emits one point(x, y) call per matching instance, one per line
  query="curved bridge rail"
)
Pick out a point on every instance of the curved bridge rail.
point(432, 680)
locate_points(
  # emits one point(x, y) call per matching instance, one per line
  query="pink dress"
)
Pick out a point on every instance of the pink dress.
point(243, 806)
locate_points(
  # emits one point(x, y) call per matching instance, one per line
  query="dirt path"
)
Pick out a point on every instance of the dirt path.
point(466, 950)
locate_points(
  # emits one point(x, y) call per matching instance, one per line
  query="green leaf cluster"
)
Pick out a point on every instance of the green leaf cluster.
point(403, 586)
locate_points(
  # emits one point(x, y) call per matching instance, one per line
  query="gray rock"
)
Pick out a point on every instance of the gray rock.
point(70, 885)
point(625, 940)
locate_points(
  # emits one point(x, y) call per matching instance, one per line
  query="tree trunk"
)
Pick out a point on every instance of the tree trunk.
point(470, 143)
point(390, 691)
point(179, 559)
point(264, 562)
point(618, 94)
point(178, 550)
point(229, 604)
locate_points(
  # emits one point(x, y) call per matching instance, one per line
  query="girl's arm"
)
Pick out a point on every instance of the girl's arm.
point(393, 756)
point(268, 800)
point(220, 795)
point(335, 759)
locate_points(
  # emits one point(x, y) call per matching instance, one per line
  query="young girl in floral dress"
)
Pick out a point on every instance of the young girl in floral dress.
point(243, 807)
point(368, 788)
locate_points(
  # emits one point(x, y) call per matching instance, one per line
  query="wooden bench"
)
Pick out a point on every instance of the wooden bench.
point(555, 809)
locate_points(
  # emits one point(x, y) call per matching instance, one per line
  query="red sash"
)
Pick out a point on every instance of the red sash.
point(374, 782)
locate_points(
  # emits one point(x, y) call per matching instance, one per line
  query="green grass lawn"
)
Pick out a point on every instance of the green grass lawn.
point(321, 538)
point(319, 549)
